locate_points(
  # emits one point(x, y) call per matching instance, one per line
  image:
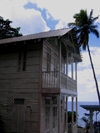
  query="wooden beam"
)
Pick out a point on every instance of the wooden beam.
point(76, 111)
point(66, 115)
point(59, 113)
point(72, 70)
point(72, 110)
point(59, 63)
point(76, 71)
point(50, 90)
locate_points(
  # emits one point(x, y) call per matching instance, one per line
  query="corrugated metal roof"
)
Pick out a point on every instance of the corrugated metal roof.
point(52, 33)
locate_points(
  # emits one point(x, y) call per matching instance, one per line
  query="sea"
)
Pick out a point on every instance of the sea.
point(81, 112)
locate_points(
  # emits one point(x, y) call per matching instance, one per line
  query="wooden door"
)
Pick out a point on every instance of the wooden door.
point(19, 118)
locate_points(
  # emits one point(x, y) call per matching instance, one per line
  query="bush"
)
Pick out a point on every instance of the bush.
point(1, 125)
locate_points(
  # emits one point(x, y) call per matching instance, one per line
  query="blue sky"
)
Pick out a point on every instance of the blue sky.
point(35, 16)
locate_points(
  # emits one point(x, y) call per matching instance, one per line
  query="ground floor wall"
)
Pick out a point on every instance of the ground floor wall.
point(21, 116)
point(25, 115)
point(54, 114)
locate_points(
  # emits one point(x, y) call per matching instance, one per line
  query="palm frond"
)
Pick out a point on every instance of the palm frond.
point(93, 26)
point(91, 13)
point(94, 19)
point(95, 32)
point(71, 24)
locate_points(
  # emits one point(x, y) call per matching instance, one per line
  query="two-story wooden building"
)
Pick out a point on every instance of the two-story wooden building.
point(38, 73)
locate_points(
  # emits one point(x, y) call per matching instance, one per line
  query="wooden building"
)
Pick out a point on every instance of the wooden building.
point(38, 73)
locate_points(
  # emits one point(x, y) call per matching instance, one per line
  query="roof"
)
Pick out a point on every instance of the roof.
point(91, 107)
point(52, 33)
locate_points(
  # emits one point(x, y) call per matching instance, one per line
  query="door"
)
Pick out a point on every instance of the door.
point(19, 115)
point(51, 114)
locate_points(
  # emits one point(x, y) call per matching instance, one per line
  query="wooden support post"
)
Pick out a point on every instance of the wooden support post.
point(67, 64)
point(59, 64)
point(66, 115)
point(76, 111)
point(91, 122)
point(59, 114)
point(66, 70)
point(76, 71)
point(72, 110)
point(72, 69)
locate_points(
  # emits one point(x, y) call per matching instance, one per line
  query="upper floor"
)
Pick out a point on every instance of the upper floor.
point(49, 59)
point(59, 65)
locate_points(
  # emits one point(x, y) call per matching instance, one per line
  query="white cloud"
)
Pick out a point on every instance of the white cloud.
point(64, 10)
point(29, 20)
point(61, 24)
point(61, 10)
point(86, 84)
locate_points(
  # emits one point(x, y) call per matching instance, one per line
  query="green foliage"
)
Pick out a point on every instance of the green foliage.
point(1, 125)
point(87, 122)
point(84, 25)
point(70, 117)
point(6, 31)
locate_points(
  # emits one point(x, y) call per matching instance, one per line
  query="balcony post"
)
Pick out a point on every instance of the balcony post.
point(59, 113)
point(59, 64)
point(66, 69)
point(67, 63)
point(66, 130)
point(72, 69)
point(76, 111)
point(72, 110)
point(76, 71)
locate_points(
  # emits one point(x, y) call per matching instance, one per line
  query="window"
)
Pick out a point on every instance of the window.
point(54, 110)
point(54, 117)
point(47, 117)
point(48, 60)
point(19, 61)
point(55, 65)
point(22, 61)
point(18, 101)
point(54, 100)
point(47, 112)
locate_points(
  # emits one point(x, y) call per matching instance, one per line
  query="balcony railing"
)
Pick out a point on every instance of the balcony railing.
point(68, 83)
point(51, 80)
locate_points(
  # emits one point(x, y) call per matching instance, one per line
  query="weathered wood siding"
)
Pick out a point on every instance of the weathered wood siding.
point(51, 77)
point(20, 118)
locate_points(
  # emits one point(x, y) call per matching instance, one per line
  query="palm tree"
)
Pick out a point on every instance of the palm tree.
point(84, 25)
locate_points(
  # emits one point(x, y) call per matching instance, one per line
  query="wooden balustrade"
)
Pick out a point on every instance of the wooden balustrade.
point(51, 80)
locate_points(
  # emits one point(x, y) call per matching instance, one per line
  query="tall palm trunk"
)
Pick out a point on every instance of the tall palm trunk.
point(96, 83)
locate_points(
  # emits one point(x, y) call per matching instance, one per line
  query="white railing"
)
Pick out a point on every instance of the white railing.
point(51, 80)
point(72, 128)
point(68, 83)
point(71, 84)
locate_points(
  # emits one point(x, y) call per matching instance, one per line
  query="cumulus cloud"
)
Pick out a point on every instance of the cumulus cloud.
point(29, 20)
point(61, 24)
point(86, 84)
point(64, 10)
point(61, 10)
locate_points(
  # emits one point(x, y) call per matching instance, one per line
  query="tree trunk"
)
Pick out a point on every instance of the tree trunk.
point(96, 83)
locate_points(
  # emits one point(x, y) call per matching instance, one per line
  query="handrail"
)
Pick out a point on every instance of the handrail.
point(50, 79)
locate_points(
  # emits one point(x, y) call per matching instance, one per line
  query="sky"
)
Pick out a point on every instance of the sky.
point(35, 16)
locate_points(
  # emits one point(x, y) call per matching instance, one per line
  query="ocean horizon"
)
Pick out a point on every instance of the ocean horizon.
point(81, 111)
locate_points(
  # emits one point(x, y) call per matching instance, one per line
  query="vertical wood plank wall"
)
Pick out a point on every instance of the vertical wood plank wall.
point(22, 84)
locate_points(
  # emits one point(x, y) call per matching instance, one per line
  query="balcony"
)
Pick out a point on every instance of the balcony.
point(51, 80)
